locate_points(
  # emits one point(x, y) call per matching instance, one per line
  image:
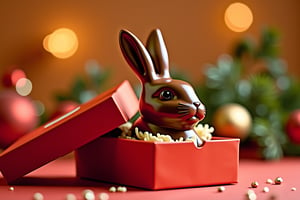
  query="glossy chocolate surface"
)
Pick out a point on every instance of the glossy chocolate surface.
point(167, 106)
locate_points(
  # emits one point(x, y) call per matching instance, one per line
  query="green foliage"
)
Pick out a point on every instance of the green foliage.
point(269, 95)
point(86, 86)
point(261, 100)
point(265, 134)
point(290, 96)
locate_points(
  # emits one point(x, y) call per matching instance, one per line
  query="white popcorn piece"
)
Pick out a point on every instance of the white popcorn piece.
point(269, 181)
point(203, 131)
point(112, 189)
point(11, 188)
point(251, 195)
point(122, 189)
point(266, 189)
point(38, 196)
point(250, 191)
point(126, 129)
point(103, 196)
point(70, 196)
point(88, 195)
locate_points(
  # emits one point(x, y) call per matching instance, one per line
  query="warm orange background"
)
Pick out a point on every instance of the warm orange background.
point(194, 31)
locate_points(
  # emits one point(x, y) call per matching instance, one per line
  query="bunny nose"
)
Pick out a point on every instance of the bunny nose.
point(197, 104)
point(200, 113)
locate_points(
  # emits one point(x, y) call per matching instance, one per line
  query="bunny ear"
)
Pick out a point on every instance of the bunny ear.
point(137, 56)
point(158, 51)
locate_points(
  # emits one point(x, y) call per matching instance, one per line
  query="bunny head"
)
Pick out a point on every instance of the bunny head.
point(167, 106)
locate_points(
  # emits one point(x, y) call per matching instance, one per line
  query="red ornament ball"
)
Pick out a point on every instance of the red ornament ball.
point(11, 77)
point(17, 117)
point(293, 126)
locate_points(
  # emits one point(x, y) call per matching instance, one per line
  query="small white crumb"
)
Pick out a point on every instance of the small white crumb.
point(293, 189)
point(88, 195)
point(269, 181)
point(38, 196)
point(11, 188)
point(251, 195)
point(266, 189)
point(70, 196)
point(103, 196)
point(112, 189)
point(122, 189)
point(221, 189)
point(250, 191)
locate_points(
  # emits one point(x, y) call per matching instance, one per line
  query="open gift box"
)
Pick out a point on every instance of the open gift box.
point(159, 165)
point(151, 165)
point(69, 132)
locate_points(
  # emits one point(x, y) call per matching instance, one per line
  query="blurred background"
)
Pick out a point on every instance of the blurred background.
point(194, 31)
point(197, 33)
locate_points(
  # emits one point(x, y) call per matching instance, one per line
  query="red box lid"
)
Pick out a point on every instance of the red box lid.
point(69, 132)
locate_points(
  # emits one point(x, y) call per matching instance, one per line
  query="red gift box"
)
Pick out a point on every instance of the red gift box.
point(69, 132)
point(151, 165)
point(159, 165)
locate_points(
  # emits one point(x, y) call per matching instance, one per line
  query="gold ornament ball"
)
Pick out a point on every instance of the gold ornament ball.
point(232, 120)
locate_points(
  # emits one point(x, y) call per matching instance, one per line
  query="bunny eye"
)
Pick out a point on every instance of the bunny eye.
point(166, 95)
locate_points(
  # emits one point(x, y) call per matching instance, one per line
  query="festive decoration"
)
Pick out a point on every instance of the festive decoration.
point(62, 43)
point(256, 78)
point(238, 17)
point(232, 120)
point(293, 126)
point(18, 113)
point(16, 77)
point(11, 77)
point(17, 117)
point(24, 86)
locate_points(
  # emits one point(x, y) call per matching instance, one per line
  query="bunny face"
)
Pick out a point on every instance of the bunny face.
point(172, 105)
point(167, 106)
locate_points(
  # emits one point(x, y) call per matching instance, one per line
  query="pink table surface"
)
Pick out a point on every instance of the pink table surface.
point(56, 179)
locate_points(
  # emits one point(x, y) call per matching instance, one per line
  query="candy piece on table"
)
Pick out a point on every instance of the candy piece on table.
point(254, 184)
point(221, 189)
point(278, 180)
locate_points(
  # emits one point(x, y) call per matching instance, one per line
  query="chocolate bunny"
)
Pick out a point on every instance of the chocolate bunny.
point(167, 106)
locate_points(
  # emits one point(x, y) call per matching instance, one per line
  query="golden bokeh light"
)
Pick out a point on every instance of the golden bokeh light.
point(62, 43)
point(238, 17)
